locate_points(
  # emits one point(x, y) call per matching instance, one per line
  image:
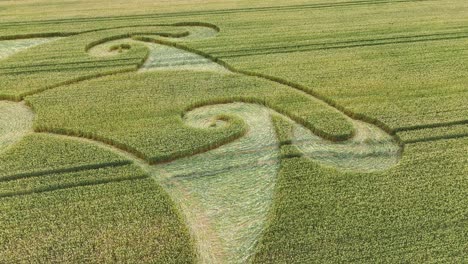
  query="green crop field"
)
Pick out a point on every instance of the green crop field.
point(321, 131)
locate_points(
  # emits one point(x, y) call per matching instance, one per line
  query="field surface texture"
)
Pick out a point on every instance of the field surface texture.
point(323, 131)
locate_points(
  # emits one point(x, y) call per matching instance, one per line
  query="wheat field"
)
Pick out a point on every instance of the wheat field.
point(322, 131)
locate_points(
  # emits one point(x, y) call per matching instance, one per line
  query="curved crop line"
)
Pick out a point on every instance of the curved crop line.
point(261, 102)
point(293, 85)
point(178, 24)
point(131, 35)
point(141, 155)
point(258, 75)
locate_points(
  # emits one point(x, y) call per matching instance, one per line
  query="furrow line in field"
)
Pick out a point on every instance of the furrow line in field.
point(64, 69)
point(63, 170)
point(214, 12)
point(19, 66)
point(436, 138)
point(433, 125)
point(69, 186)
point(293, 49)
point(355, 41)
